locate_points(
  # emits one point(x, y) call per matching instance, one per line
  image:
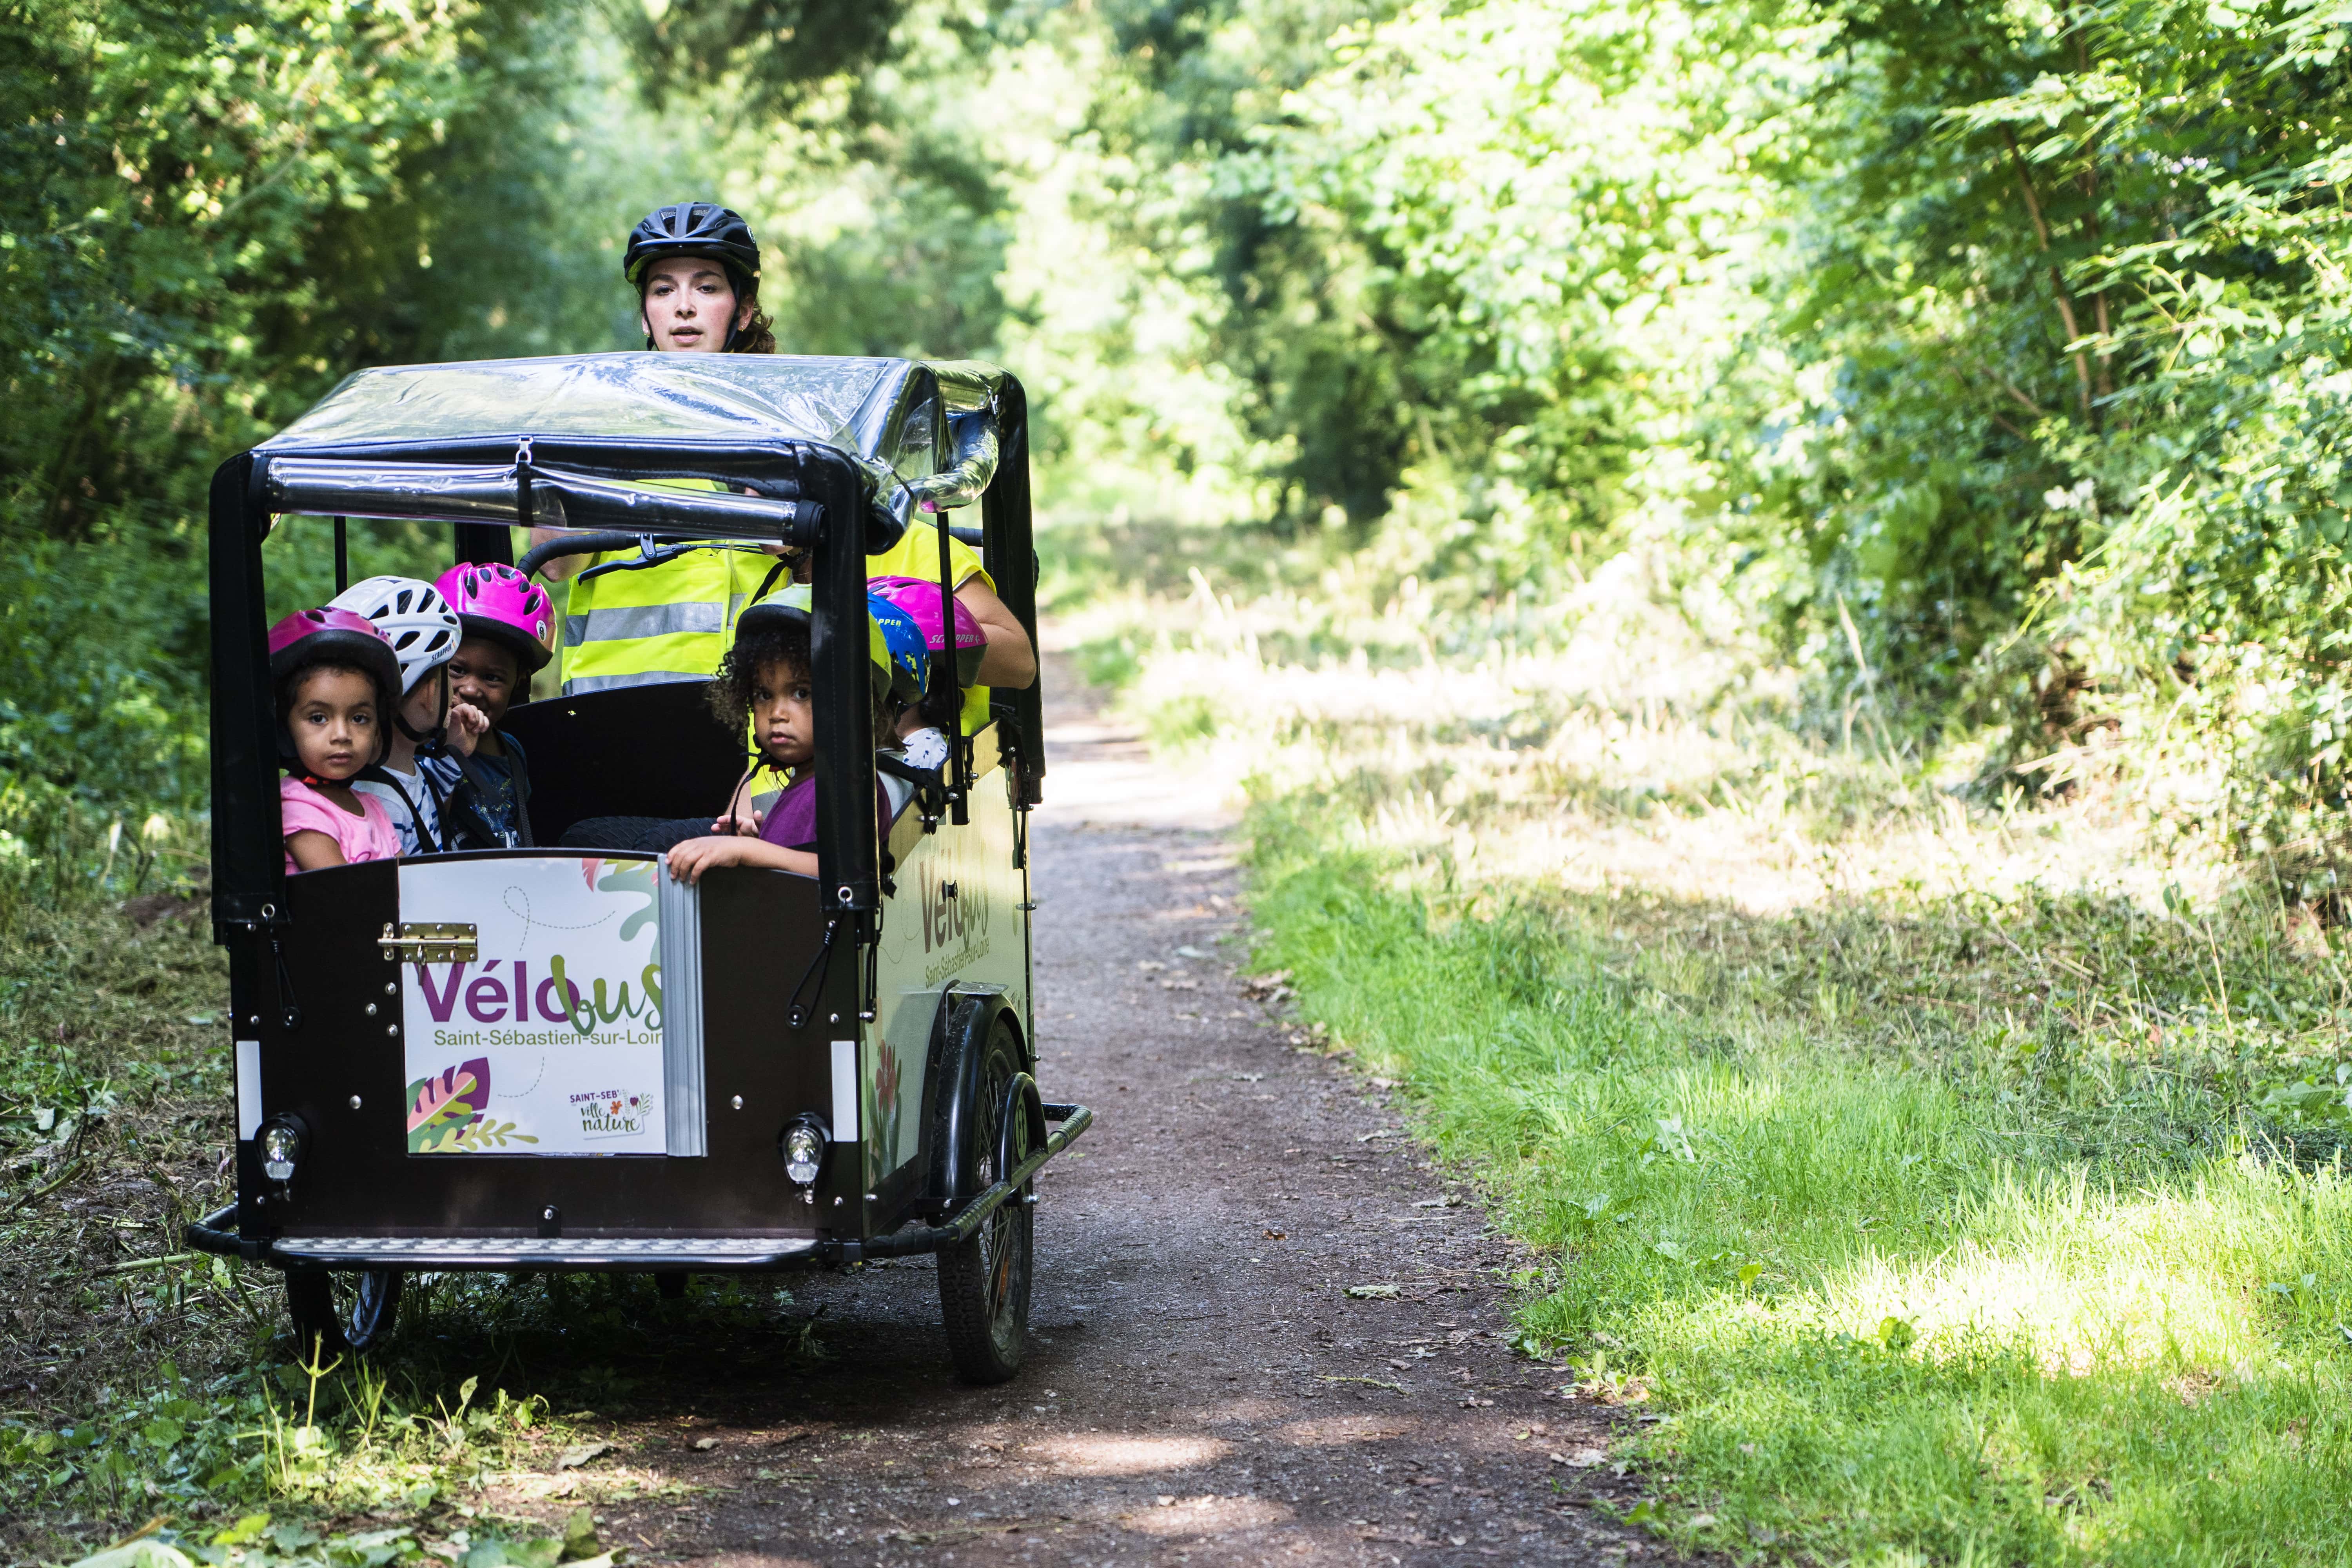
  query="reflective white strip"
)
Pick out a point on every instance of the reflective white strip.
point(625, 623)
point(845, 1091)
point(581, 684)
point(248, 1090)
point(679, 906)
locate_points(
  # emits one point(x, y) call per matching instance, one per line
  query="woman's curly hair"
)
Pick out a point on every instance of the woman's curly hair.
point(757, 335)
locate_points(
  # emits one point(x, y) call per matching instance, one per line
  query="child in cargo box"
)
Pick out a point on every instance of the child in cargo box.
point(505, 620)
point(337, 677)
point(766, 677)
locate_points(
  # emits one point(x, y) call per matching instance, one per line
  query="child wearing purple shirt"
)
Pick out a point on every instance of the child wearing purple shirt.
point(766, 677)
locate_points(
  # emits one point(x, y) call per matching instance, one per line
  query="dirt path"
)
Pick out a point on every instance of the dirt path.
point(1201, 1386)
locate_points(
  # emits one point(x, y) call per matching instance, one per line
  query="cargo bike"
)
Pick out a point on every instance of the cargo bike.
point(562, 1060)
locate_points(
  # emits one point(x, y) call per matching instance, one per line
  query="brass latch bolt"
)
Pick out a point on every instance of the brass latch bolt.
point(430, 942)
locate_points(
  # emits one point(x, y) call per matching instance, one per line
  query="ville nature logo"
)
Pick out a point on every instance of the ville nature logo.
point(613, 1112)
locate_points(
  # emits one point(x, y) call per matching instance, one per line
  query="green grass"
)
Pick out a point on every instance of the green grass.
point(1955, 1230)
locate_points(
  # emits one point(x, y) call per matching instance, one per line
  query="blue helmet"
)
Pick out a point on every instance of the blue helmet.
point(903, 635)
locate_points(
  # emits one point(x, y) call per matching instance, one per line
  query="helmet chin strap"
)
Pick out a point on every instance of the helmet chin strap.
point(435, 741)
point(436, 737)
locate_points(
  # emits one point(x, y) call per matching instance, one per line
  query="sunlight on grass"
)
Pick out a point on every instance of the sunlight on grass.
point(1945, 1311)
point(1951, 1166)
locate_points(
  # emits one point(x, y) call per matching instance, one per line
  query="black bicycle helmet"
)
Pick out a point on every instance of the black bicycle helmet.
point(692, 229)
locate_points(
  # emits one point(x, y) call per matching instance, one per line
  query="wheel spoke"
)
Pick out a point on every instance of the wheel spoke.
point(1000, 1280)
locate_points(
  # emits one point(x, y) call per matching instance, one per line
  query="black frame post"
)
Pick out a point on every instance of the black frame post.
point(248, 855)
point(1010, 552)
point(249, 859)
point(848, 851)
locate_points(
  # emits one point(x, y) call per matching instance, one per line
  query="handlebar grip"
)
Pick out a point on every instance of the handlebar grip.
point(538, 556)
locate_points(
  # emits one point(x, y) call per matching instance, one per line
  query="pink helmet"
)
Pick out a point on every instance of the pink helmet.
point(499, 603)
point(330, 636)
point(920, 599)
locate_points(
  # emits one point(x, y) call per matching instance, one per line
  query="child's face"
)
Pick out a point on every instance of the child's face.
point(334, 722)
point(784, 713)
point(484, 674)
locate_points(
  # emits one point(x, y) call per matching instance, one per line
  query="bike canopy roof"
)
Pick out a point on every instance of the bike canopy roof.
point(834, 455)
point(918, 430)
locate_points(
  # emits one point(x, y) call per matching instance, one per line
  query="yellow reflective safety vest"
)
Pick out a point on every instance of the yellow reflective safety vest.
point(670, 622)
point(674, 621)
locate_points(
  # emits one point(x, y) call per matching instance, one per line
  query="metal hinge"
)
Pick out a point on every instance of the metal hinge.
point(430, 942)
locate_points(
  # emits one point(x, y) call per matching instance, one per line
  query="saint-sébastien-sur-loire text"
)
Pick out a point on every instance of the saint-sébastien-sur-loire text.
point(955, 907)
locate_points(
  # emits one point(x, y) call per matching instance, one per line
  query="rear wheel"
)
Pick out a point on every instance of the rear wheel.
point(984, 1282)
point(342, 1314)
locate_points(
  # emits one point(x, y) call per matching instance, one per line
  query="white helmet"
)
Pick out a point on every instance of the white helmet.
point(412, 617)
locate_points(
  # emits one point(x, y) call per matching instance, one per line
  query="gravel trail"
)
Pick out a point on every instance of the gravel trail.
point(1201, 1387)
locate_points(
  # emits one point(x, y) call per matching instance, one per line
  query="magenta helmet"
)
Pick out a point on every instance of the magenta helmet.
point(920, 599)
point(330, 636)
point(499, 603)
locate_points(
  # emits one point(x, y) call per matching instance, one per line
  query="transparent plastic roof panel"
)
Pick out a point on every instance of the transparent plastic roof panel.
point(723, 399)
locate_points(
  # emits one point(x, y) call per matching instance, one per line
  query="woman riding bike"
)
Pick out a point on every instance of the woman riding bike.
point(695, 268)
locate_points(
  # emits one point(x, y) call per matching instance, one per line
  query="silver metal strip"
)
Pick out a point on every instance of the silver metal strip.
point(525, 1251)
point(680, 911)
point(627, 623)
point(248, 1090)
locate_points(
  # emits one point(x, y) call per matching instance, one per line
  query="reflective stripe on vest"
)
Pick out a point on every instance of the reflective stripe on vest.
point(623, 623)
point(581, 684)
point(670, 622)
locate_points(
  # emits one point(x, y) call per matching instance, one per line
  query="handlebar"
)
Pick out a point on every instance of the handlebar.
point(538, 556)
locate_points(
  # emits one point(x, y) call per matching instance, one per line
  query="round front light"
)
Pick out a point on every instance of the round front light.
point(803, 1147)
point(281, 1147)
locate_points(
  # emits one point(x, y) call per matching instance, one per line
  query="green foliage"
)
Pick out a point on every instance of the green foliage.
point(773, 54)
point(208, 213)
point(2061, 299)
point(2003, 345)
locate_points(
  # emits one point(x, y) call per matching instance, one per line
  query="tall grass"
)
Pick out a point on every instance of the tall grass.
point(1910, 1275)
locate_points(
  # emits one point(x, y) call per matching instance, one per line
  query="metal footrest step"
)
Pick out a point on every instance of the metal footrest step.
point(437, 1252)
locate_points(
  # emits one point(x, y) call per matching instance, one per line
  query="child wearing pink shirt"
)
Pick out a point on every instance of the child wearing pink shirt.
point(336, 679)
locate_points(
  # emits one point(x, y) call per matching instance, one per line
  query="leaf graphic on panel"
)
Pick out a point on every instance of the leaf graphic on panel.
point(450, 1099)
